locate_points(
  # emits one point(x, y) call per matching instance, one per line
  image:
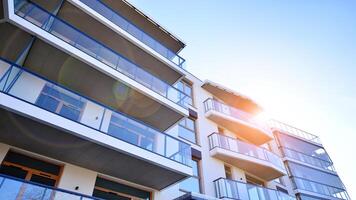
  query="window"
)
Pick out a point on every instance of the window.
point(186, 130)
point(192, 184)
point(30, 169)
point(186, 88)
point(228, 172)
point(106, 189)
point(62, 102)
point(132, 132)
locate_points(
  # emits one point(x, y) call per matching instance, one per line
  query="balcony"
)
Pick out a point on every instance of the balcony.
point(288, 129)
point(120, 21)
point(305, 186)
point(230, 189)
point(253, 159)
point(310, 160)
point(75, 43)
point(13, 188)
point(56, 122)
point(238, 121)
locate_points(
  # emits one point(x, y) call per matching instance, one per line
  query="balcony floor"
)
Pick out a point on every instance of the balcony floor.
point(260, 168)
point(241, 128)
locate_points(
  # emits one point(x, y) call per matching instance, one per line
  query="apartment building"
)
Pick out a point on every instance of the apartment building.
point(96, 103)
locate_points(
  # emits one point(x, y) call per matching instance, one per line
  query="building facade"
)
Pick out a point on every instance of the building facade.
point(96, 103)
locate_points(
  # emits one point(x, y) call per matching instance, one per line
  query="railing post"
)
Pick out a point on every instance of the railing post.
point(102, 119)
point(44, 193)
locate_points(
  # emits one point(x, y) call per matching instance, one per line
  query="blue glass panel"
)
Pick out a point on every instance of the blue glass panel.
point(123, 134)
point(146, 143)
point(69, 112)
point(191, 185)
point(47, 103)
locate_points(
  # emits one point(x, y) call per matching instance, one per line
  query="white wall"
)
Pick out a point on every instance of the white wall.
point(27, 87)
point(92, 115)
point(74, 176)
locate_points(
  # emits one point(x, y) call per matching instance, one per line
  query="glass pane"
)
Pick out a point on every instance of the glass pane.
point(186, 134)
point(47, 102)
point(32, 192)
point(69, 112)
point(195, 168)
point(191, 185)
point(10, 189)
point(189, 124)
point(123, 134)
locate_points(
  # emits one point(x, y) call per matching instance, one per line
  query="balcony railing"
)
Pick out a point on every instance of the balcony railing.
point(230, 189)
point(274, 124)
point(317, 162)
point(237, 146)
point(211, 104)
point(72, 106)
point(13, 188)
point(71, 35)
point(319, 188)
point(133, 30)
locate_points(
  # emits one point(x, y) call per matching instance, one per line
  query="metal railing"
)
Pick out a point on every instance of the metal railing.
point(14, 188)
point(114, 17)
point(280, 126)
point(230, 189)
point(240, 147)
point(71, 35)
point(27, 86)
point(211, 104)
point(312, 160)
point(319, 188)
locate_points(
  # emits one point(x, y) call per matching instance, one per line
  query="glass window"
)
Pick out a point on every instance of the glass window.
point(228, 172)
point(187, 89)
point(131, 132)
point(186, 130)
point(57, 100)
point(192, 184)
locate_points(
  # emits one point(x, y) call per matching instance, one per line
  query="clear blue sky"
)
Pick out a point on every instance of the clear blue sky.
point(297, 58)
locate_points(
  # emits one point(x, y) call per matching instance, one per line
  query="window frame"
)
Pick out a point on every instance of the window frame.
point(185, 84)
point(62, 102)
point(197, 177)
point(188, 129)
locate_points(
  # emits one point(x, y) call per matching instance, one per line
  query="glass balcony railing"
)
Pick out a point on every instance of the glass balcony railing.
point(230, 189)
point(27, 86)
point(294, 131)
point(15, 189)
point(69, 34)
point(237, 146)
point(320, 188)
point(317, 162)
point(134, 31)
point(211, 104)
